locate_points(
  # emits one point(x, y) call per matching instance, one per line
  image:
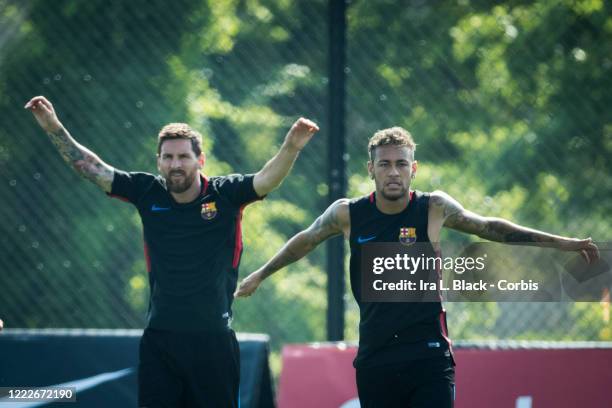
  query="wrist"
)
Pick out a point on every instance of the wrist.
point(54, 127)
point(291, 147)
point(262, 274)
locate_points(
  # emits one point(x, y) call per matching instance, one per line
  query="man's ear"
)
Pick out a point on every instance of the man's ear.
point(202, 160)
point(370, 169)
point(415, 166)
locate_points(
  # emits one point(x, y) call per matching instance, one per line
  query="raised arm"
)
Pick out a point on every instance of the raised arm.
point(334, 221)
point(277, 168)
point(84, 161)
point(454, 216)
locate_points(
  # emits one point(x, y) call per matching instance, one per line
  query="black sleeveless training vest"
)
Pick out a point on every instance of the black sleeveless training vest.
point(394, 332)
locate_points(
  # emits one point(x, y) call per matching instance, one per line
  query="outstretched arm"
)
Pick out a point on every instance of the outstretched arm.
point(334, 221)
point(275, 170)
point(84, 161)
point(500, 230)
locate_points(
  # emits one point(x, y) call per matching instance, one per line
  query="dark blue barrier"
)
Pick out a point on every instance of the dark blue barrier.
point(102, 365)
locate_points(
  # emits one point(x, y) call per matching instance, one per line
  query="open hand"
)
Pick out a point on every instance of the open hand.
point(44, 113)
point(587, 249)
point(301, 132)
point(248, 285)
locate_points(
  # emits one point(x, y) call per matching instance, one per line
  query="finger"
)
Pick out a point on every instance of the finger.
point(585, 255)
point(42, 107)
point(594, 252)
point(45, 102)
point(311, 124)
point(34, 100)
point(306, 122)
point(41, 103)
point(30, 102)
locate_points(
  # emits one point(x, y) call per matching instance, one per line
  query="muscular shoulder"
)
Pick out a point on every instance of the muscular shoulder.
point(443, 205)
point(340, 208)
point(334, 221)
point(132, 185)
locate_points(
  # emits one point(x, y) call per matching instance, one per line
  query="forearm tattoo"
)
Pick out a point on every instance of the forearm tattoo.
point(325, 226)
point(86, 163)
point(285, 256)
point(492, 229)
point(66, 146)
point(521, 236)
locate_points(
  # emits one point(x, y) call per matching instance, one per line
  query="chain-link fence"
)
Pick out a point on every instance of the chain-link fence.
point(508, 104)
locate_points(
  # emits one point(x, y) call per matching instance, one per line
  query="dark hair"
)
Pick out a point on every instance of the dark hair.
point(180, 131)
point(395, 136)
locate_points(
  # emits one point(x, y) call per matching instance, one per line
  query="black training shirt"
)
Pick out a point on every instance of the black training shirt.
point(393, 332)
point(192, 249)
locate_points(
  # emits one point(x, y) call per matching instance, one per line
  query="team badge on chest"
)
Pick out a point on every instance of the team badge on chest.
point(209, 210)
point(407, 236)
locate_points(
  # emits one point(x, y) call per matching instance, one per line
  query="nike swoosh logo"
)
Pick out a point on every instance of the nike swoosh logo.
point(361, 240)
point(81, 385)
point(156, 208)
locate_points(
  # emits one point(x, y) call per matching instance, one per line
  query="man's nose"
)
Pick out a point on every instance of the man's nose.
point(176, 163)
point(394, 171)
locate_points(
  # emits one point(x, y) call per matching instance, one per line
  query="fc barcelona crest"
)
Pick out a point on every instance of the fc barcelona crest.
point(209, 210)
point(407, 236)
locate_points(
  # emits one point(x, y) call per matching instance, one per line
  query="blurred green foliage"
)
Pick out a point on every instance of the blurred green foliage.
point(509, 104)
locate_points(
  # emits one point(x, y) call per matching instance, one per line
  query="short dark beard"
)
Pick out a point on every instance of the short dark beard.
point(394, 198)
point(180, 187)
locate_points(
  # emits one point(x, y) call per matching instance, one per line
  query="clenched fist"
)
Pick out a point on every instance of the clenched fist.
point(44, 113)
point(301, 132)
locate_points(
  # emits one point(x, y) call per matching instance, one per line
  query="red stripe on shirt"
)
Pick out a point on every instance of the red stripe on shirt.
point(118, 197)
point(238, 245)
point(204, 184)
point(373, 195)
point(147, 256)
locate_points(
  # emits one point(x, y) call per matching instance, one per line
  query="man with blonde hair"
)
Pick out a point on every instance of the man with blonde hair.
point(405, 357)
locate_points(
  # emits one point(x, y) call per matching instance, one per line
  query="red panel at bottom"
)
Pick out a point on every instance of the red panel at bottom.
point(323, 377)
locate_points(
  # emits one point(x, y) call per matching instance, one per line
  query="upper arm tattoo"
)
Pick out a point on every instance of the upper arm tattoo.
point(446, 204)
point(493, 229)
point(456, 217)
point(85, 162)
point(328, 224)
point(466, 221)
